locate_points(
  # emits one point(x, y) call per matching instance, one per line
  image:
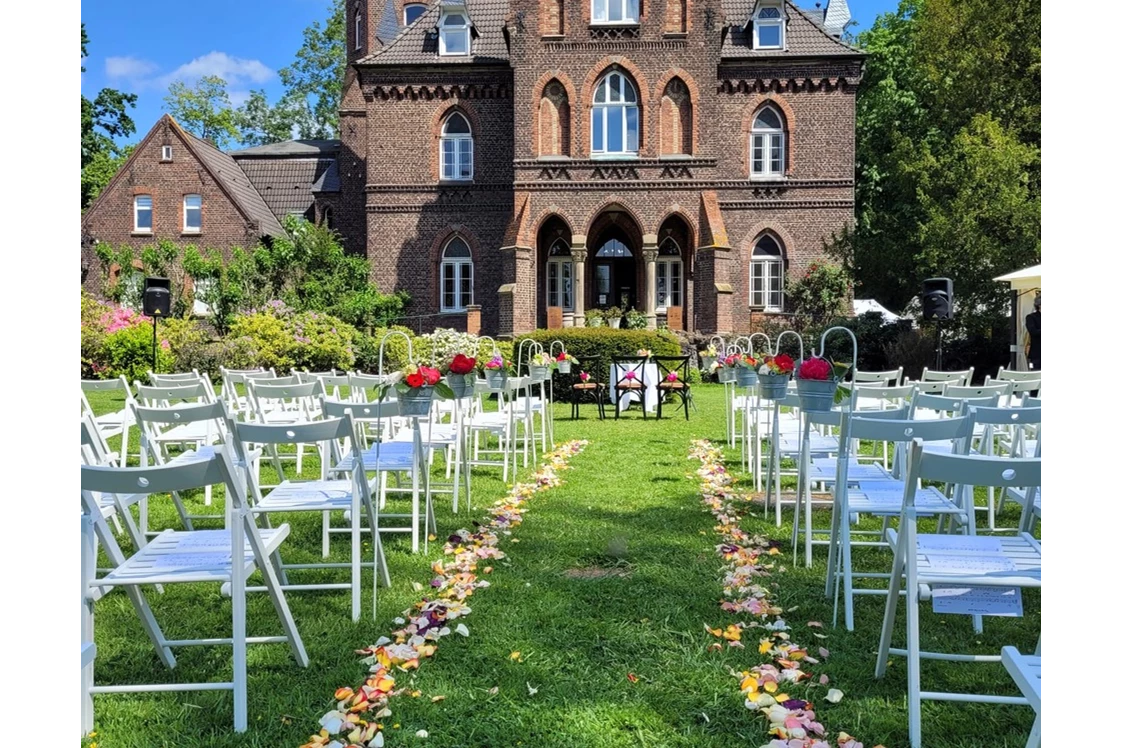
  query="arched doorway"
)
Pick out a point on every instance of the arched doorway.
point(615, 261)
point(556, 286)
point(674, 276)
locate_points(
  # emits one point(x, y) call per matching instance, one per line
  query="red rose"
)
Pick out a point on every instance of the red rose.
point(561, 356)
point(415, 379)
point(432, 376)
point(784, 363)
point(816, 368)
point(461, 364)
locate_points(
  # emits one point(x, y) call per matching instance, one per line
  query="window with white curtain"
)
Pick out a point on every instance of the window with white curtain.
point(559, 276)
point(615, 116)
point(767, 147)
point(456, 148)
point(766, 275)
point(456, 276)
point(668, 275)
point(142, 213)
point(615, 11)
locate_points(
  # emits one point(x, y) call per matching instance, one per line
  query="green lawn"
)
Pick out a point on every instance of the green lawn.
point(613, 575)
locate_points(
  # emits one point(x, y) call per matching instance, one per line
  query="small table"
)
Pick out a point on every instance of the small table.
point(650, 377)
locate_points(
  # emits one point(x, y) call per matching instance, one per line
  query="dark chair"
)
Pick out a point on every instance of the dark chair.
point(595, 387)
point(637, 384)
point(669, 386)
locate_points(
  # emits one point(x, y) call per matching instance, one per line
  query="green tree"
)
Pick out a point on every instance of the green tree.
point(203, 109)
point(103, 119)
point(260, 123)
point(314, 81)
point(100, 169)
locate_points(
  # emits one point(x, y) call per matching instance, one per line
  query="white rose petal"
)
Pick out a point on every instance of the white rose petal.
point(462, 629)
point(834, 696)
point(422, 733)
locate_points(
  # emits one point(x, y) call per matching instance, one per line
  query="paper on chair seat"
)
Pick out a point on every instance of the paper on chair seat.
point(952, 543)
point(189, 560)
point(983, 601)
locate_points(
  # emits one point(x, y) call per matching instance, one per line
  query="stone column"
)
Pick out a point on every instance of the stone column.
point(472, 325)
point(580, 254)
point(650, 252)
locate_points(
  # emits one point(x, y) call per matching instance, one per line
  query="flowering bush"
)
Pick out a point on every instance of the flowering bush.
point(461, 364)
point(781, 364)
point(127, 349)
point(288, 340)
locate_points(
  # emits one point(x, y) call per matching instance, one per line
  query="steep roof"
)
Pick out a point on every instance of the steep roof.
point(290, 148)
point(234, 182)
point(417, 44)
point(803, 37)
point(286, 184)
point(388, 26)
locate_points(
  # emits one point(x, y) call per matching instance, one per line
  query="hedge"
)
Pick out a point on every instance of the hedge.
point(606, 342)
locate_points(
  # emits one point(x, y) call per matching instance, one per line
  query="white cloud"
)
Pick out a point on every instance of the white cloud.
point(236, 71)
point(129, 68)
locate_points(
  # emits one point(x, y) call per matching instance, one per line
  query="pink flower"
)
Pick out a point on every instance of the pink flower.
point(672, 377)
point(815, 368)
point(630, 375)
point(584, 376)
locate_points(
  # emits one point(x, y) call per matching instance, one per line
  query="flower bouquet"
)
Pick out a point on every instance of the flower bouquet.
point(584, 377)
point(817, 381)
point(708, 357)
point(745, 369)
point(496, 370)
point(462, 375)
point(565, 362)
point(415, 386)
point(723, 367)
point(773, 376)
point(540, 366)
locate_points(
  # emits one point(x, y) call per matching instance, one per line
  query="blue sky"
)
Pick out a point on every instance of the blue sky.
point(243, 41)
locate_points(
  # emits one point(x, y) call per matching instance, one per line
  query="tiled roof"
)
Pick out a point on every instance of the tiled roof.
point(286, 184)
point(328, 181)
point(388, 26)
point(417, 44)
point(804, 36)
point(237, 184)
point(290, 148)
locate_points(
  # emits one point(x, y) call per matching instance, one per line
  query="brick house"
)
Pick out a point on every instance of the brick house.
point(179, 187)
point(539, 158)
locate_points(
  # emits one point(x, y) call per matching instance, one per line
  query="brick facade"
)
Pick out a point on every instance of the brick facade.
point(534, 174)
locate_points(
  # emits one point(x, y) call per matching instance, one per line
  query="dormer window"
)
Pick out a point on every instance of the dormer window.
point(454, 34)
point(768, 28)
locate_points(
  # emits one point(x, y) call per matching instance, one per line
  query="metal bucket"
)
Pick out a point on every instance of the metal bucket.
point(726, 374)
point(540, 373)
point(816, 396)
point(707, 362)
point(416, 401)
point(496, 379)
point(746, 376)
point(462, 385)
point(773, 386)
point(564, 366)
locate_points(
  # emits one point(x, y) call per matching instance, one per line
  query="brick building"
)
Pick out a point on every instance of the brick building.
point(542, 157)
point(539, 158)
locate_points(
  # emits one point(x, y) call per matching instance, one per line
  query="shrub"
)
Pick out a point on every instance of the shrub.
point(635, 320)
point(286, 340)
point(606, 342)
point(94, 317)
point(127, 350)
point(820, 294)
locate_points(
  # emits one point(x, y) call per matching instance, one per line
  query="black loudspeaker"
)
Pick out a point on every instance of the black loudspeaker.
point(937, 298)
point(157, 297)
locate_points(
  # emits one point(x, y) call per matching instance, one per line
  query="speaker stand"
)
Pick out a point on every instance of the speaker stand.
point(939, 345)
point(155, 370)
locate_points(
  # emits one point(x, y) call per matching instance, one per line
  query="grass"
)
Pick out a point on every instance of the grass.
point(604, 597)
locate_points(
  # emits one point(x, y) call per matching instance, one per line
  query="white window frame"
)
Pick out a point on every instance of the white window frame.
point(463, 149)
point(602, 11)
point(769, 269)
point(457, 268)
point(358, 30)
point(668, 282)
point(771, 22)
point(559, 269)
point(600, 115)
point(136, 215)
point(165, 153)
point(405, 12)
point(771, 142)
point(201, 308)
point(188, 229)
point(447, 29)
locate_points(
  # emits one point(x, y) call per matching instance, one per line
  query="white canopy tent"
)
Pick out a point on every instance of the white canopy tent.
point(1027, 284)
point(861, 306)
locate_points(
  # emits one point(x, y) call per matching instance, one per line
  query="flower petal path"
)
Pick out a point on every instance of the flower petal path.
point(355, 720)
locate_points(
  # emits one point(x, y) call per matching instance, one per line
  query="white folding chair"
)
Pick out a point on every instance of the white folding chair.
point(1011, 375)
point(352, 495)
point(189, 557)
point(879, 496)
point(892, 378)
point(1026, 672)
point(1012, 421)
point(112, 506)
point(481, 425)
point(89, 648)
point(962, 377)
point(929, 566)
point(114, 423)
point(237, 402)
